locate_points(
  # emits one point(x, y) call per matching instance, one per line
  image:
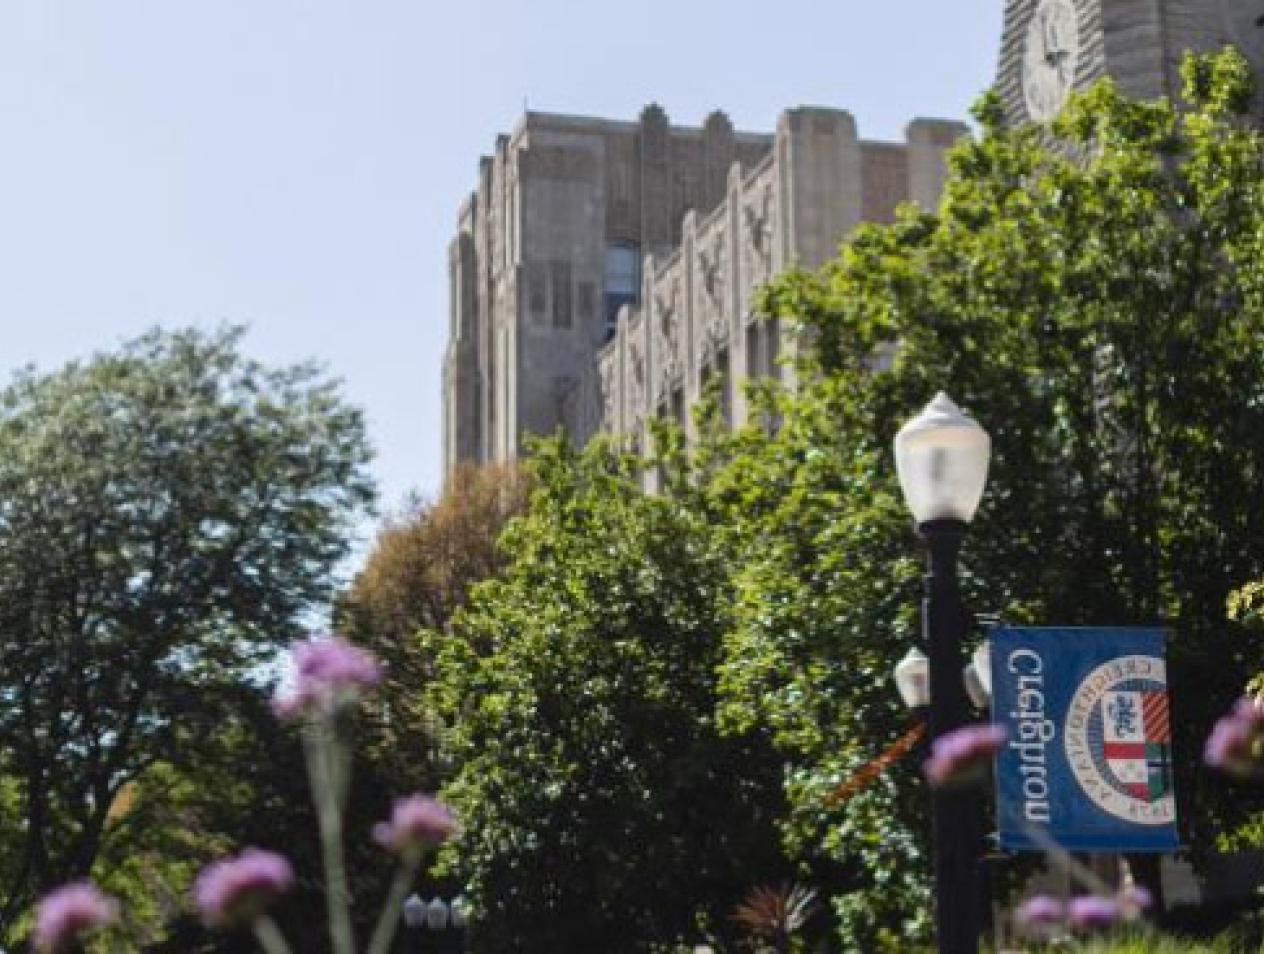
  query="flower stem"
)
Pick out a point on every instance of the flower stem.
point(388, 919)
point(1063, 858)
point(323, 764)
point(269, 936)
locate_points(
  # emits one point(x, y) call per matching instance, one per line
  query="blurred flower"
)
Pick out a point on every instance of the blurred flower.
point(328, 673)
point(237, 890)
point(416, 822)
point(69, 912)
point(1091, 913)
point(1236, 740)
point(1134, 901)
point(1039, 914)
point(962, 756)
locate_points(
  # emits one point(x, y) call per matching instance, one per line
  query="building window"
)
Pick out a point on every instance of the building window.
point(623, 280)
point(587, 302)
point(725, 384)
point(773, 354)
point(562, 294)
point(537, 294)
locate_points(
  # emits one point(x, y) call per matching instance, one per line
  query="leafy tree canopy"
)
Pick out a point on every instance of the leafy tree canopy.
point(168, 514)
point(602, 810)
point(1094, 295)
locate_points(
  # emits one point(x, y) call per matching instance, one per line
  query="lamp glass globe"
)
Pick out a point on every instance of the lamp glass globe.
point(942, 459)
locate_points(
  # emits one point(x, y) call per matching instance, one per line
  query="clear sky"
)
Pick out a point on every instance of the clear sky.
point(296, 165)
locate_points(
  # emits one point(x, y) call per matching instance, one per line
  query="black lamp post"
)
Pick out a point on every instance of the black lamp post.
point(942, 459)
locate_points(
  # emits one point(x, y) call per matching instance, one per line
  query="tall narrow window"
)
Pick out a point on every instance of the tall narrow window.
point(623, 280)
point(537, 292)
point(726, 387)
point(562, 294)
point(774, 348)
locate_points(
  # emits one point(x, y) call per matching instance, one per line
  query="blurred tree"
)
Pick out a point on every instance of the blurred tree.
point(419, 573)
point(424, 562)
point(168, 514)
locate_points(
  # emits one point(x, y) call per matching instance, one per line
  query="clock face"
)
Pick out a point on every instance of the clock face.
point(1242, 24)
point(1050, 57)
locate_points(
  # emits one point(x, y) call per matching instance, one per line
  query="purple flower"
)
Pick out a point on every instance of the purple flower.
point(416, 822)
point(70, 912)
point(1091, 913)
point(327, 673)
point(236, 890)
point(1133, 901)
point(1041, 912)
point(960, 757)
point(1236, 740)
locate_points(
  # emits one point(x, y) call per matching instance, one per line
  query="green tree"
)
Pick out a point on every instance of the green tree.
point(168, 514)
point(419, 573)
point(601, 808)
point(1095, 298)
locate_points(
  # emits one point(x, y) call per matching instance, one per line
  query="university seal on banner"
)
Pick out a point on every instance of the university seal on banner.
point(1118, 739)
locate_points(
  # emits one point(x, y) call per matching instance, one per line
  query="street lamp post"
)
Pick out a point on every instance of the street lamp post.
point(942, 459)
point(447, 922)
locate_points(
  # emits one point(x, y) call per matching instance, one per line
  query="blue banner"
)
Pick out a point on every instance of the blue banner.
point(1088, 759)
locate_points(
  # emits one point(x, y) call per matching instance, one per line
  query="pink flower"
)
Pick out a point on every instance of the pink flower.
point(1041, 912)
point(962, 756)
point(70, 912)
point(1235, 743)
point(416, 822)
point(328, 673)
point(236, 890)
point(1091, 913)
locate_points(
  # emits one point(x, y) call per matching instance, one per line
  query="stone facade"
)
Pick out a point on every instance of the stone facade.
point(1050, 47)
point(603, 272)
point(547, 247)
point(695, 323)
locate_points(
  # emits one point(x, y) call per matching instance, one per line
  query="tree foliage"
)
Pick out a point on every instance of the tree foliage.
point(168, 514)
point(425, 561)
point(1094, 296)
point(602, 809)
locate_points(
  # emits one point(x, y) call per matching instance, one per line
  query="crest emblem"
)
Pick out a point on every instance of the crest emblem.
point(1119, 739)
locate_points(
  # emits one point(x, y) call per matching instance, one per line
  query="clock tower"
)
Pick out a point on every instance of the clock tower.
point(1050, 47)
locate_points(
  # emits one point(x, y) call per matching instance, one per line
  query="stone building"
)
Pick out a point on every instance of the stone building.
point(547, 250)
point(1050, 47)
point(603, 271)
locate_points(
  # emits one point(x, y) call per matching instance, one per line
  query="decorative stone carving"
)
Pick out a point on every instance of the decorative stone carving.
point(607, 371)
point(667, 331)
point(712, 264)
point(636, 369)
point(711, 268)
point(757, 214)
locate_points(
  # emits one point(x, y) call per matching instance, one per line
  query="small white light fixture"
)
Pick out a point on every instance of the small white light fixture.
point(942, 460)
point(414, 912)
point(981, 658)
point(436, 915)
point(460, 911)
point(912, 679)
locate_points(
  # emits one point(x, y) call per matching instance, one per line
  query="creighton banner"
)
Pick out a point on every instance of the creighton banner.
point(1088, 759)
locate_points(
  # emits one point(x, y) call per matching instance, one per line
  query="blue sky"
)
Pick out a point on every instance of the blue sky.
point(296, 165)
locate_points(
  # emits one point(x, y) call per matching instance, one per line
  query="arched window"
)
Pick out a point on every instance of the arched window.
point(623, 280)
